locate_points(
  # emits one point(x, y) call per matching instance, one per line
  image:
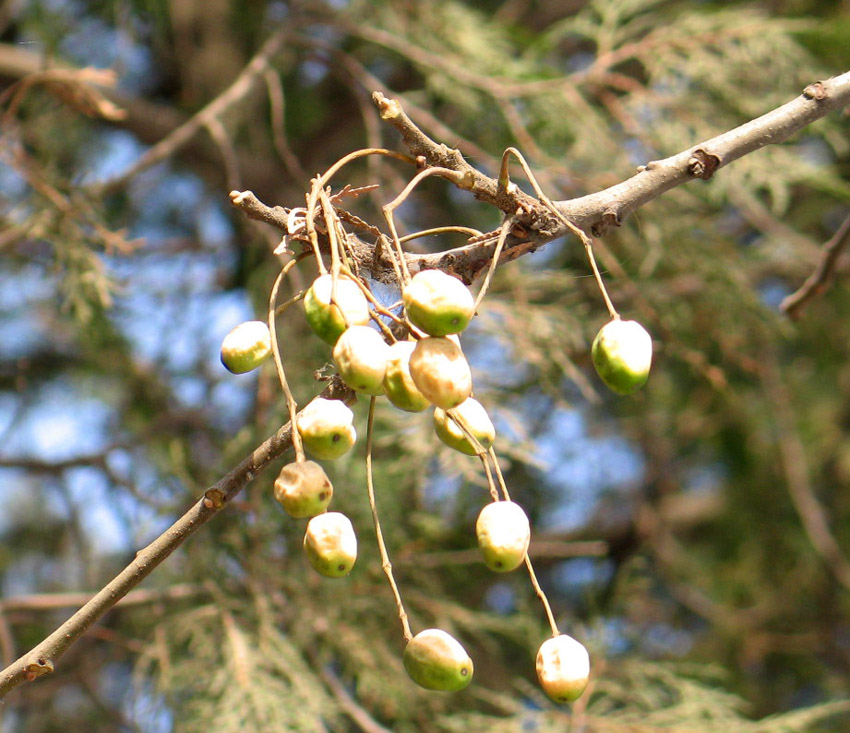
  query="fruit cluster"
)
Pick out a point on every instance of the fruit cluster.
point(426, 369)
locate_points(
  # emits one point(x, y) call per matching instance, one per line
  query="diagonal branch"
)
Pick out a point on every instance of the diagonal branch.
point(822, 277)
point(597, 212)
point(238, 90)
point(42, 659)
point(532, 224)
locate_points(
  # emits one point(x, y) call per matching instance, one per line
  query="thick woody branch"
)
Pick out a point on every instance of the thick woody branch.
point(43, 658)
point(533, 224)
point(596, 212)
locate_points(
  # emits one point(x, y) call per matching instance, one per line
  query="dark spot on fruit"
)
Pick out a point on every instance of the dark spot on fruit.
point(322, 495)
point(336, 438)
point(498, 563)
point(455, 321)
point(464, 672)
point(341, 567)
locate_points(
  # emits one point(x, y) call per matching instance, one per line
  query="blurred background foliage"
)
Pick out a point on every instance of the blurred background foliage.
point(694, 536)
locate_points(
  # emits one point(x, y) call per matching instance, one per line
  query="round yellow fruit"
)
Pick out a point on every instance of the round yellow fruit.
point(246, 347)
point(399, 387)
point(622, 355)
point(330, 544)
point(438, 303)
point(476, 420)
point(503, 534)
point(303, 489)
point(435, 660)
point(563, 668)
point(440, 372)
point(326, 428)
point(328, 321)
point(361, 356)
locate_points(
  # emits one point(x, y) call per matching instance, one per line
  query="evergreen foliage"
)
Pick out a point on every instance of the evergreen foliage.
point(695, 535)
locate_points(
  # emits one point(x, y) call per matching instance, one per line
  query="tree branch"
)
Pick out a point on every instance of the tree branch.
point(533, 225)
point(597, 212)
point(822, 277)
point(42, 658)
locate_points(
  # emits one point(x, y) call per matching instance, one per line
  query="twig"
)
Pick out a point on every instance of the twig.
point(386, 565)
point(53, 601)
point(794, 463)
point(360, 716)
point(43, 657)
point(818, 282)
point(237, 91)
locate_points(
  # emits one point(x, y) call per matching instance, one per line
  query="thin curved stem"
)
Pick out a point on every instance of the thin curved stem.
point(386, 565)
point(290, 400)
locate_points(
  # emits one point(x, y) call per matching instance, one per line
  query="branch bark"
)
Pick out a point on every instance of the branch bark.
point(533, 224)
point(42, 659)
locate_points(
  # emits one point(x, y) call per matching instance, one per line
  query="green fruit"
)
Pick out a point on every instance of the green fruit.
point(326, 428)
point(438, 303)
point(398, 384)
point(246, 347)
point(328, 321)
point(474, 417)
point(503, 535)
point(303, 489)
point(330, 544)
point(361, 356)
point(622, 354)
point(436, 661)
point(563, 668)
point(440, 372)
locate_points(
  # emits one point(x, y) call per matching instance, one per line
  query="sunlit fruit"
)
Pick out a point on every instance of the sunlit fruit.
point(326, 428)
point(438, 303)
point(246, 347)
point(303, 489)
point(563, 668)
point(622, 355)
point(330, 544)
point(435, 660)
point(360, 356)
point(350, 307)
point(440, 372)
point(398, 385)
point(503, 535)
point(476, 420)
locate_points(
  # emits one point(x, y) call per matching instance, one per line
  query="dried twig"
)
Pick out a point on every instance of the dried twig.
point(819, 281)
